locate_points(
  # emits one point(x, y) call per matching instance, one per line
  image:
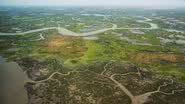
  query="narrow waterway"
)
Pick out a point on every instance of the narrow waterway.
point(12, 81)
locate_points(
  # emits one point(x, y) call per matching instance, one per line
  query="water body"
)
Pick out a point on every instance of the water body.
point(12, 81)
point(96, 15)
point(173, 30)
point(90, 38)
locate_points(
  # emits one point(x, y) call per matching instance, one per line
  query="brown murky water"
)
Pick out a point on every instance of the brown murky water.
point(12, 80)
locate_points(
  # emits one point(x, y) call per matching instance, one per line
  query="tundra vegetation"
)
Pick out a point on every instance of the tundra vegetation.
point(97, 56)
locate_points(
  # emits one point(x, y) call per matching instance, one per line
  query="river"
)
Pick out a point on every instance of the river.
point(65, 31)
point(12, 81)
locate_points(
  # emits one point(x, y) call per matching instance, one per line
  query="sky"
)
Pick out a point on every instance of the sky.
point(148, 3)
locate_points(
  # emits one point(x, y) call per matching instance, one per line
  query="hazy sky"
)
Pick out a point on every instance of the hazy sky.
point(166, 3)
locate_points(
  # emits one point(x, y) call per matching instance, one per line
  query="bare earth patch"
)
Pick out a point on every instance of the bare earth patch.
point(150, 58)
point(66, 46)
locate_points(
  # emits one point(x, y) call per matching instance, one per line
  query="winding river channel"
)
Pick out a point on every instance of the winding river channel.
point(64, 31)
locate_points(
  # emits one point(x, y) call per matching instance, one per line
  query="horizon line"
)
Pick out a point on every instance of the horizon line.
point(112, 6)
